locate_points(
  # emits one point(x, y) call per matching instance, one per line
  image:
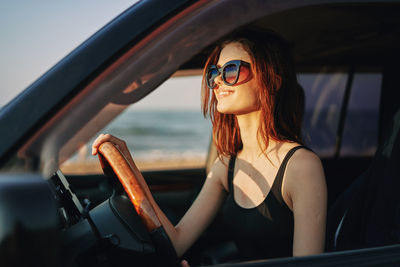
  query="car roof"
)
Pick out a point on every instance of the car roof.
point(137, 51)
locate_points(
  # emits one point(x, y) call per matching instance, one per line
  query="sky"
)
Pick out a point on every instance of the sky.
point(35, 35)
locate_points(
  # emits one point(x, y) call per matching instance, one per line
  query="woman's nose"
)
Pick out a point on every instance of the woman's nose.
point(218, 80)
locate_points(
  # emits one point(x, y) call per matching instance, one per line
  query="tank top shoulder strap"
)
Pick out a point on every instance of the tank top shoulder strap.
point(231, 168)
point(279, 175)
point(282, 168)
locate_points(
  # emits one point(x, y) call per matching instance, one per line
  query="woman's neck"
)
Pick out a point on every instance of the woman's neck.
point(253, 145)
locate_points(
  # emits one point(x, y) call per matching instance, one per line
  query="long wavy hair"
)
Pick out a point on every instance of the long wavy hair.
point(281, 98)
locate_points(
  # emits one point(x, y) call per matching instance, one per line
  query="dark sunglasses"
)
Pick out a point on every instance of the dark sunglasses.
point(230, 73)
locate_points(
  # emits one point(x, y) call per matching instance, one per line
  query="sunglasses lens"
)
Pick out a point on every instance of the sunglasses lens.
point(211, 75)
point(230, 73)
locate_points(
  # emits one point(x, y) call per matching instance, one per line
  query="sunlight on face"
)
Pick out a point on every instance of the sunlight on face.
point(242, 97)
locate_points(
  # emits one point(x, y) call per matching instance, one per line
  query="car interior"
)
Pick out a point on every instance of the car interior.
point(346, 56)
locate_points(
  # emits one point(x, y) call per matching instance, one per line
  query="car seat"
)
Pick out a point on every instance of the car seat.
point(368, 213)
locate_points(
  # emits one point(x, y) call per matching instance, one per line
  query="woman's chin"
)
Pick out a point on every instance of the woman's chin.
point(224, 109)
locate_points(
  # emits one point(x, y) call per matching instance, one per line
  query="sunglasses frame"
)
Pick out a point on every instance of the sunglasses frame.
point(238, 63)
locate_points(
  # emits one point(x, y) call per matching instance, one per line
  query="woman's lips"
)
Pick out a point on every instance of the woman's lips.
point(221, 93)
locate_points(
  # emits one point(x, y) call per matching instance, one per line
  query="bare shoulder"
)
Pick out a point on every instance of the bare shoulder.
point(219, 171)
point(304, 171)
point(305, 160)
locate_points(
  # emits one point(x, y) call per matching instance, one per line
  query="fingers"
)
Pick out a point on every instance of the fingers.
point(97, 142)
point(105, 138)
point(184, 263)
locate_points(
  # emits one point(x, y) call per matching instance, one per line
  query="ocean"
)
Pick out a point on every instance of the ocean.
point(160, 134)
point(157, 134)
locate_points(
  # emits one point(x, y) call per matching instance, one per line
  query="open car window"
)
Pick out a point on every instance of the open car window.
point(161, 130)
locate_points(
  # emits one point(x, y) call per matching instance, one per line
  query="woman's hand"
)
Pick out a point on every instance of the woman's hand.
point(184, 263)
point(123, 148)
point(120, 144)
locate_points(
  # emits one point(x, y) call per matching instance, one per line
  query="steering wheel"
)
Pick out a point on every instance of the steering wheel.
point(114, 163)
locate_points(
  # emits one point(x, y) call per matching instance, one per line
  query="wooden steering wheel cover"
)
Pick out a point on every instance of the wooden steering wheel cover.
point(110, 154)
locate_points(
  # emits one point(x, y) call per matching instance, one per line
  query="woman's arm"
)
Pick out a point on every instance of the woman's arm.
point(200, 214)
point(306, 188)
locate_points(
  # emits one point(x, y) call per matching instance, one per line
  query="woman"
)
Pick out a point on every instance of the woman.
point(271, 189)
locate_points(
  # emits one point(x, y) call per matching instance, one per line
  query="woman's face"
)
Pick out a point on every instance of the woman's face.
point(241, 98)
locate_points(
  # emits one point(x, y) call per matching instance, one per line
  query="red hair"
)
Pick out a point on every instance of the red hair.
point(281, 98)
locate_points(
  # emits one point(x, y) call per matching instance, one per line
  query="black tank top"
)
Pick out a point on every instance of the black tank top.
point(265, 231)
